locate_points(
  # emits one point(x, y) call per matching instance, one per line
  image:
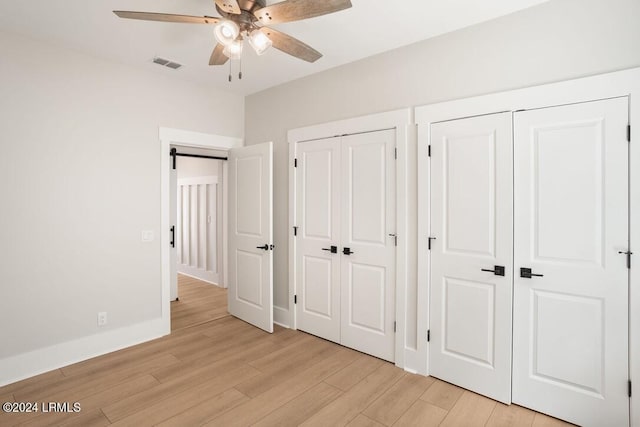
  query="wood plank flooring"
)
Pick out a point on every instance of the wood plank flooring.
point(216, 370)
point(198, 302)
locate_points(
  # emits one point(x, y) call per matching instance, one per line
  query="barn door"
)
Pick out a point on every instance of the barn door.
point(368, 251)
point(571, 282)
point(471, 254)
point(250, 242)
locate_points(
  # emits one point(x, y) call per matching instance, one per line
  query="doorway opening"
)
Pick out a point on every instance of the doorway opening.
point(201, 301)
point(198, 286)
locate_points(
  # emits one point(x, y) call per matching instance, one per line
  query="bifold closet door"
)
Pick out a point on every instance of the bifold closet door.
point(571, 222)
point(368, 226)
point(471, 254)
point(318, 268)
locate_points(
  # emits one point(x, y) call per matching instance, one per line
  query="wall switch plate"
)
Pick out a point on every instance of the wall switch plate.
point(147, 236)
point(102, 318)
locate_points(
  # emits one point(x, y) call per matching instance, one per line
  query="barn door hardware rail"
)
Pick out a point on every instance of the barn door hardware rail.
point(174, 154)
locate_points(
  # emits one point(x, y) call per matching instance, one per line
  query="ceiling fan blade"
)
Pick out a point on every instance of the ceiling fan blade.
point(294, 10)
point(217, 57)
point(229, 6)
point(167, 17)
point(292, 46)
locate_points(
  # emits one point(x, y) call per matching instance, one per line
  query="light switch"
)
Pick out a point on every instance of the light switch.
point(147, 236)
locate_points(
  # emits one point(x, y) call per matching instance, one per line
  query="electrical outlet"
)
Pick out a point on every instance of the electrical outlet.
point(102, 318)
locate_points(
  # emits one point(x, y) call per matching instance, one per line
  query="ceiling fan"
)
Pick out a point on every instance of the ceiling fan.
point(247, 20)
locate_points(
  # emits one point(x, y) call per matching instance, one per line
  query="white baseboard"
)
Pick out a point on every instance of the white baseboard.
point(281, 316)
point(25, 365)
point(194, 276)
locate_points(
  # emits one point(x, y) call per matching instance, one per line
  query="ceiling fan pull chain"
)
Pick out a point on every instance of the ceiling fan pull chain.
point(240, 73)
point(230, 71)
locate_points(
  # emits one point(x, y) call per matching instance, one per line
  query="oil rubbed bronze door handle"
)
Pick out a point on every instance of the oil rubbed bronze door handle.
point(498, 270)
point(332, 249)
point(347, 251)
point(527, 274)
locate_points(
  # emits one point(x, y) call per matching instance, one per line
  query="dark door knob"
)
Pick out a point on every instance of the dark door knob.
point(527, 274)
point(498, 270)
point(347, 251)
point(332, 249)
point(263, 247)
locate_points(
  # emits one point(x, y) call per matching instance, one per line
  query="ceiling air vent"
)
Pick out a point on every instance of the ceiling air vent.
point(166, 63)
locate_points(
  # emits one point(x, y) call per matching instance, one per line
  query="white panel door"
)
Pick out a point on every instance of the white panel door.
point(318, 208)
point(368, 227)
point(571, 220)
point(197, 228)
point(471, 221)
point(250, 293)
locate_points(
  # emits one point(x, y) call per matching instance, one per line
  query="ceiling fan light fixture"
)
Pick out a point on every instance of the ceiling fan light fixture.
point(259, 41)
point(233, 50)
point(226, 32)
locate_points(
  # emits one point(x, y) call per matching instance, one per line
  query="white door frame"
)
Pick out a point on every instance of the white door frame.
point(620, 83)
point(400, 120)
point(168, 137)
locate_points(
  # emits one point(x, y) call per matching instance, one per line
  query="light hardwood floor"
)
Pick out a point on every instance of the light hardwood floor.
point(219, 371)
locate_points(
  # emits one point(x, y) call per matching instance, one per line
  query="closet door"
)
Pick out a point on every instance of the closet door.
point(368, 243)
point(318, 213)
point(471, 256)
point(571, 312)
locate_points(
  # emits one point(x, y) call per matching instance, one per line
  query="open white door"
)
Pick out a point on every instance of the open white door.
point(250, 294)
point(471, 273)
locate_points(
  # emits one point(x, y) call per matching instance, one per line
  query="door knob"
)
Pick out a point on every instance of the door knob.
point(263, 247)
point(347, 251)
point(498, 270)
point(332, 249)
point(527, 274)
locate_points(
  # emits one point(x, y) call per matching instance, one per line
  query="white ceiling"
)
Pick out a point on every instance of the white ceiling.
point(368, 28)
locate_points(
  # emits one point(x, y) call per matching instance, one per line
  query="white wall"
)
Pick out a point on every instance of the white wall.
point(80, 180)
point(192, 167)
point(558, 40)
